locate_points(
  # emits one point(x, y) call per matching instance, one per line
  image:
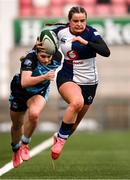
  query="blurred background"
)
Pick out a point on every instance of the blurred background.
point(22, 20)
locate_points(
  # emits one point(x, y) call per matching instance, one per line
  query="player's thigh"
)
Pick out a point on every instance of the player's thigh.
point(70, 91)
point(36, 103)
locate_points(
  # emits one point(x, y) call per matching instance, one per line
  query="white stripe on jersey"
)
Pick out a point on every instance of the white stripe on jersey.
point(85, 72)
point(65, 41)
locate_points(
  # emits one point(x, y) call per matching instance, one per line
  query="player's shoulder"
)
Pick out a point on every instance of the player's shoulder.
point(30, 58)
point(92, 30)
point(59, 27)
point(31, 54)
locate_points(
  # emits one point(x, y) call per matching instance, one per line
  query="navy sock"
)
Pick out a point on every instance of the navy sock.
point(65, 130)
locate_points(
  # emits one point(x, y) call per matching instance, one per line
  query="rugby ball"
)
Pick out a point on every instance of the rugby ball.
point(49, 41)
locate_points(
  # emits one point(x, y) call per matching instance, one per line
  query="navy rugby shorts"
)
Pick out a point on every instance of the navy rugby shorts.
point(19, 96)
point(88, 91)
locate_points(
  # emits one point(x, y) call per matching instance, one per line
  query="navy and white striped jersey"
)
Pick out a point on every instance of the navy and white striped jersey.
point(79, 60)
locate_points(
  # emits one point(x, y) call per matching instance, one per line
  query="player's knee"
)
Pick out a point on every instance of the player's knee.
point(33, 117)
point(77, 104)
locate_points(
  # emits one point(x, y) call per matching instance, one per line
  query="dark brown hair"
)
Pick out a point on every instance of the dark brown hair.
point(76, 9)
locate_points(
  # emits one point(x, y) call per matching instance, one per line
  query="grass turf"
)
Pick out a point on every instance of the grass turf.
point(104, 155)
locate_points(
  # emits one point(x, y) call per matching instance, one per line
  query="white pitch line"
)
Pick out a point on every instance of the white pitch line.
point(36, 150)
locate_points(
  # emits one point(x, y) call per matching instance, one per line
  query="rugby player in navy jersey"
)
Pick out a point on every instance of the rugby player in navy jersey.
point(29, 93)
point(78, 78)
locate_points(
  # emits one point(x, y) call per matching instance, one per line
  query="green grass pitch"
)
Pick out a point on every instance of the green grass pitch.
point(102, 155)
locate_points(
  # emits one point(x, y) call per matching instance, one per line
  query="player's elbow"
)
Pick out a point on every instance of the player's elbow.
point(108, 53)
point(24, 84)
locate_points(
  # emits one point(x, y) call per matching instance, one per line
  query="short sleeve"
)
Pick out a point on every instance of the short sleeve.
point(28, 63)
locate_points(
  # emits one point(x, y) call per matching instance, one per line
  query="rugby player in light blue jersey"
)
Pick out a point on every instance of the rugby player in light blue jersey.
point(29, 93)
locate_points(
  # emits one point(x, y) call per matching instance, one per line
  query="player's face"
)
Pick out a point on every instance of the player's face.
point(44, 58)
point(78, 23)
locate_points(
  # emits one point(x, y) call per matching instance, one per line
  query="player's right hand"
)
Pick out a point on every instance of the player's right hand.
point(39, 45)
point(50, 75)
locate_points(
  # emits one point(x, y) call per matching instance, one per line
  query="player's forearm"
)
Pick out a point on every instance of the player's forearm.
point(32, 81)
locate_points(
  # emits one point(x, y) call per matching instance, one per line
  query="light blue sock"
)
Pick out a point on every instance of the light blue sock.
point(25, 140)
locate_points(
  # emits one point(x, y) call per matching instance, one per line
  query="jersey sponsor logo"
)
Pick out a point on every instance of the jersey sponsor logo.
point(74, 62)
point(72, 55)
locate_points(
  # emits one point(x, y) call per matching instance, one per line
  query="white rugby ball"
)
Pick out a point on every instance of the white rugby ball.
point(50, 41)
